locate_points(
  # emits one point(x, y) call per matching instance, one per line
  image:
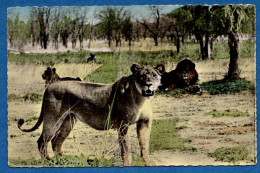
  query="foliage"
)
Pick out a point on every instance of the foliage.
point(226, 87)
point(164, 136)
point(115, 21)
point(231, 154)
point(233, 18)
point(233, 113)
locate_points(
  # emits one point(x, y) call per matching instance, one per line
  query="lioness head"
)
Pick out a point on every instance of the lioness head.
point(147, 78)
point(50, 74)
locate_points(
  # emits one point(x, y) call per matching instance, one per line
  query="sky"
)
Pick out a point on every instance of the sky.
point(137, 12)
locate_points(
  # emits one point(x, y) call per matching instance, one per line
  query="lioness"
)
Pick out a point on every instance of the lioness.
point(127, 101)
point(50, 76)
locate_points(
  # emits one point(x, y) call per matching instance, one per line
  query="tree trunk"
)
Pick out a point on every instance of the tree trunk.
point(211, 48)
point(178, 43)
point(129, 43)
point(155, 38)
point(201, 48)
point(109, 41)
point(45, 42)
point(233, 71)
point(206, 47)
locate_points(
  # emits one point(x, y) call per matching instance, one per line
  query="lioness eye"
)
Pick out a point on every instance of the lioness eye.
point(154, 75)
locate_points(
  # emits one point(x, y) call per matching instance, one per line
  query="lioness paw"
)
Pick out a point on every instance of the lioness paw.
point(150, 163)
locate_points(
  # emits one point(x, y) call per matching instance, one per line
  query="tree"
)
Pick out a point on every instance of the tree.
point(43, 15)
point(65, 30)
point(111, 23)
point(127, 29)
point(232, 20)
point(108, 21)
point(56, 26)
point(153, 27)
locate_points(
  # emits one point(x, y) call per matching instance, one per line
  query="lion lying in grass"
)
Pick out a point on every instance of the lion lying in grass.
point(125, 102)
point(183, 75)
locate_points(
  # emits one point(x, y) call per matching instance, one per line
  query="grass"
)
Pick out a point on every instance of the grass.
point(33, 118)
point(230, 113)
point(226, 87)
point(247, 49)
point(74, 161)
point(118, 64)
point(29, 96)
point(231, 154)
point(174, 93)
point(164, 136)
point(65, 161)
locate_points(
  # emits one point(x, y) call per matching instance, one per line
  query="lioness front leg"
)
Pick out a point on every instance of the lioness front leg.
point(144, 126)
point(123, 142)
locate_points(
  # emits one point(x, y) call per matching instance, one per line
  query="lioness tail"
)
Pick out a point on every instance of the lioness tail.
point(39, 122)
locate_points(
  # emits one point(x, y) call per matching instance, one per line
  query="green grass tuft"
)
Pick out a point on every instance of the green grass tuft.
point(164, 136)
point(13, 97)
point(226, 87)
point(33, 97)
point(29, 96)
point(231, 154)
point(233, 113)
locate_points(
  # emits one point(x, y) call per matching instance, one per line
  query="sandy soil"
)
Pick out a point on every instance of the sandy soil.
point(207, 133)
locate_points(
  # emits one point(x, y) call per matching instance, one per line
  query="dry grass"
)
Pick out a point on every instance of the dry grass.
point(26, 78)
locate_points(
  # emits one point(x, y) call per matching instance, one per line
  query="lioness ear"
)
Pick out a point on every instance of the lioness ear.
point(54, 70)
point(48, 69)
point(160, 68)
point(135, 68)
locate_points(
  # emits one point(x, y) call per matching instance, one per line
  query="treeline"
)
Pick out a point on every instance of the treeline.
point(204, 23)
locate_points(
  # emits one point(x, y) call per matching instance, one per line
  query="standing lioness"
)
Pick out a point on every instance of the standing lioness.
point(126, 101)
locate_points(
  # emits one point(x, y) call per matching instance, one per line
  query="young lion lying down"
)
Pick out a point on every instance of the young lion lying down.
point(128, 99)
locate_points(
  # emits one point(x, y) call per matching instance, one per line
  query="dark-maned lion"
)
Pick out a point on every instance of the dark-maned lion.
point(51, 76)
point(184, 75)
point(128, 100)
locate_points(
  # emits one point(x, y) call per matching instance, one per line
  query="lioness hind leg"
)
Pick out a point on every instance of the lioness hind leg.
point(63, 133)
point(42, 147)
point(144, 126)
point(123, 142)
